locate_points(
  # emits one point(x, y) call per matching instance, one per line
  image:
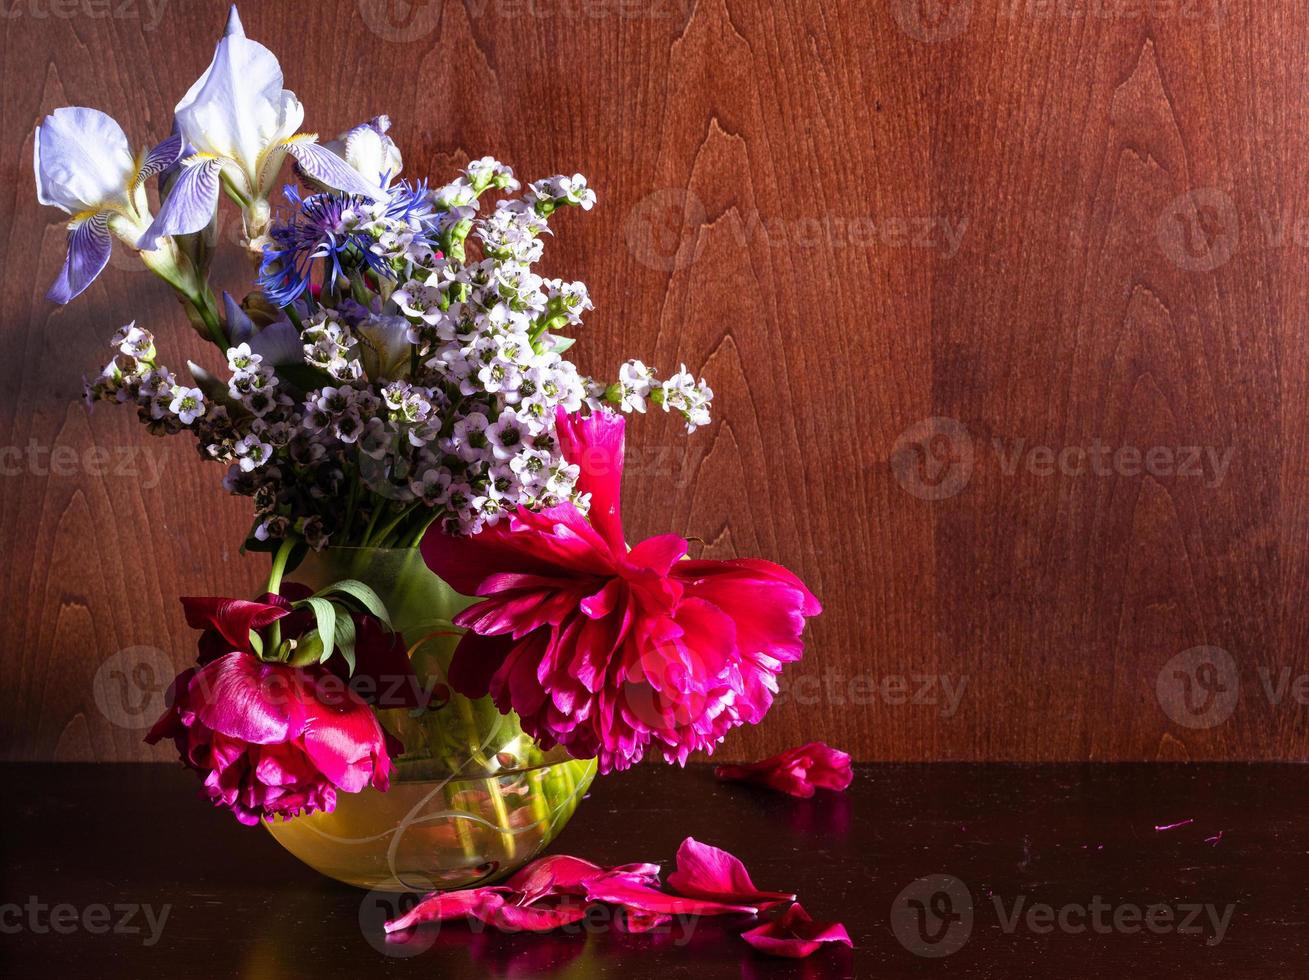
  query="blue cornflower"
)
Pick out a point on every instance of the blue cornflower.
point(328, 226)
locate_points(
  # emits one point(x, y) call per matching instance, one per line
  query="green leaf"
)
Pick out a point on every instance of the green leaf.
point(345, 640)
point(562, 344)
point(349, 656)
point(325, 617)
point(362, 594)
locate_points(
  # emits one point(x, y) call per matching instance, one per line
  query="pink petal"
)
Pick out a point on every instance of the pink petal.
point(534, 918)
point(555, 543)
point(444, 906)
point(595, 445)
point(241, 696)
point(658, 553)
point(797, 771)
point(633, 896)
point(795, 935)
point(343, 738)
point(708, 872)
point(768, 603)
point(561, 874)
point(233, 618)
point(383, 666)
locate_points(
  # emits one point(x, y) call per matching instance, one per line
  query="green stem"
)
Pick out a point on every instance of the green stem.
point(472, 733)
point(280, 558)
point(417, 539)
point(379, 539)
point(275, 574)
point(372, 522)
point(204, 305)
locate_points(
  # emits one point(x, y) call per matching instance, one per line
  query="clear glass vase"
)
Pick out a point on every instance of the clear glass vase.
point(472, 797)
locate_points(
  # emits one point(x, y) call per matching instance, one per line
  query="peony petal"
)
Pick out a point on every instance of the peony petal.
point(595, 445)
point(794, 935)
point(341, 734)
point(170, 724)
point(556, 543)
point(635, 923)
point(516, 681)
point(246, 699)
point(232, 618)
point(533, 918)
point(708, 872)
point(768, 603)
point(444, 906)
point(659, 553)
point(797, 771)
point(383, 674)
point(635, 896)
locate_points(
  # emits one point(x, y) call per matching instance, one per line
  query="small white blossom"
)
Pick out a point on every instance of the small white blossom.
point(134, 342)
point(507, 436)
point(634, 382)
point(252, 453)
point(188, 404)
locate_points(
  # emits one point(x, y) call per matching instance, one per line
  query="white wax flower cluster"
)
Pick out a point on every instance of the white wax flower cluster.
point(441, 359)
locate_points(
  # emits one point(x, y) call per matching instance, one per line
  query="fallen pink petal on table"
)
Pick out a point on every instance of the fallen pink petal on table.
point(796, 772)
point(556, 891)
point(445, 906)
point(795, 935)
point(709, 872)
point(633, 896)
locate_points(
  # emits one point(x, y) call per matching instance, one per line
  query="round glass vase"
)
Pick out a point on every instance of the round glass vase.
point(472, 797)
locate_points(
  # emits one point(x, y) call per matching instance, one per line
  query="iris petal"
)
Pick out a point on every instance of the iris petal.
point(161, 158)
point(89, 245)
point(327, 168)
point(190, 205)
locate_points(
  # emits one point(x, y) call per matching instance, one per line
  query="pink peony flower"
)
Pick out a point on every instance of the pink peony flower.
point(795, 935)
point(273, 740)
point(796, 771)
point(610, 651)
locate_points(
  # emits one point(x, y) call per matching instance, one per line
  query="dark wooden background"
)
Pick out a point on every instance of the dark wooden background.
point(1129, 179)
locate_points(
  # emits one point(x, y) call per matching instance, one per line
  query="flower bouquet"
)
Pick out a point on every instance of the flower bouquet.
point(455, 634)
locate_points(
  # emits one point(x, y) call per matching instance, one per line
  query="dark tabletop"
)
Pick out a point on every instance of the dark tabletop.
point(960, 870)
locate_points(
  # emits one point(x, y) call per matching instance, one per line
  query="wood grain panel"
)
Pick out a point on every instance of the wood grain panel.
point(931, 256)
